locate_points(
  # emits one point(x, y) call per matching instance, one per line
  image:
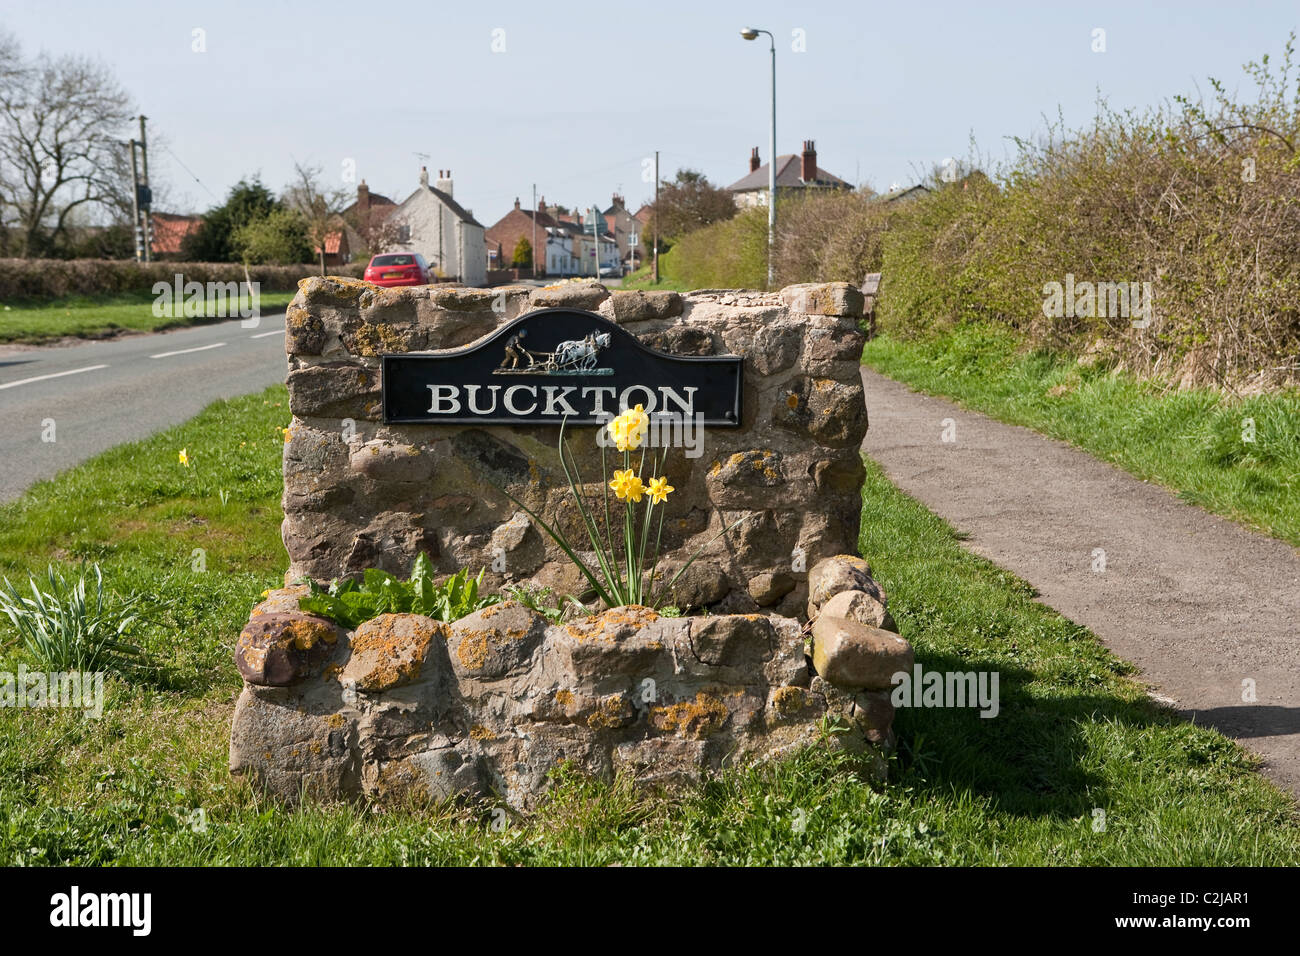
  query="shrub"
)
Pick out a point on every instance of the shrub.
point(1200, 200)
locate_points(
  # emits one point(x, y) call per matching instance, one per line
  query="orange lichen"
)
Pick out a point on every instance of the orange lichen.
point(473, 649)
point(697, 719)
point(789, 700)
point(479, 732)
point(792, 401)
point(399, 656)
point(606, 625)
point(613, 711)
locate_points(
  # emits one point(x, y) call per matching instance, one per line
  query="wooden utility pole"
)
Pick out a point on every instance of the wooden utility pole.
point(135, 204)
point(656, 218)
point(144, 181)
point(534, 230)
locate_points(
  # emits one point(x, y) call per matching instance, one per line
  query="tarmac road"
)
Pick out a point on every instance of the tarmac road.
point(100, 394)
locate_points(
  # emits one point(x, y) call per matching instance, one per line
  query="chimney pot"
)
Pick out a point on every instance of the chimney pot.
point(808, 162)
point(754, 161)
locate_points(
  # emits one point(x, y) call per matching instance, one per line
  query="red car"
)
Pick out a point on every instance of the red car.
point(397, 268)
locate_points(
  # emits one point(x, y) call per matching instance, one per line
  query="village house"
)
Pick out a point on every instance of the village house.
point(626, 230)
point(504, 235)
point(570, 249)
point(432, 223)
point(795, 174)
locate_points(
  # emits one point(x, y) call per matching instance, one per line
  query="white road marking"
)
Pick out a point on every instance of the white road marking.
point(41, 378)
point(201, 348)
point(262, 335)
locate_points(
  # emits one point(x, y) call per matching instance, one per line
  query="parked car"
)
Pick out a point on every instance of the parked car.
point(611, 271)
point(397, 268)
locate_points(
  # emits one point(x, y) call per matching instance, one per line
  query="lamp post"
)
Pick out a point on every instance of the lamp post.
point(750, 33)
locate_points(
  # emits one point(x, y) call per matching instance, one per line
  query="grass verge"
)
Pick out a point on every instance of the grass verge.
point(1238, 457)
point(147, 783)
point(97, 316)
point(643, 278)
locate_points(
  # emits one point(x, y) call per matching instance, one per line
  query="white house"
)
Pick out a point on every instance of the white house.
point(569, 250)
point(433, 224)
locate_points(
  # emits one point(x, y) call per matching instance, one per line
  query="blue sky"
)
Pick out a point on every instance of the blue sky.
point(583, 92)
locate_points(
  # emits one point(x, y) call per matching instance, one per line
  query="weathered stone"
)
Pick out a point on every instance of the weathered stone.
point(496, 640)
point(287, 748)
point(827, 410)
point(861, 606)
point(389, 461)
point(390, 650)
point(758, 468)
point(433, 775)
point(857, 657)
point(570, 295)
point(768, 587)
point(776, 347)
point(841, 572)
point(334, 390)
point(681, 340)
point(732, 640)
point(636, 305)
point(701, 584)
point(873, 713)
point(831, 298)
point(304, 332)
point(281, 648)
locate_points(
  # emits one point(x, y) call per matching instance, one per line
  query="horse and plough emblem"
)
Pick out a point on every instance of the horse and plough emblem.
point(571, 357)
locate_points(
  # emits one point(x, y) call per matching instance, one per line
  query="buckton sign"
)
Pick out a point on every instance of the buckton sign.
point(555, 365)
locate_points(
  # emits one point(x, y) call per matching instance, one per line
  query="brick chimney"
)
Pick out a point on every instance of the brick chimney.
point(754, 161)
point(444, 181)
point(516, 202)
point(541, 204)
point(808, 166)
point(424, 175)
point(363, 200)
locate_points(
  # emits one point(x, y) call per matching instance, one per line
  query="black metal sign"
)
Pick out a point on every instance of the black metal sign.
point(553, 365)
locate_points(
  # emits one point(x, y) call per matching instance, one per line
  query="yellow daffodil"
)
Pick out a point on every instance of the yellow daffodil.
point(627, 486)
point(184, 458)
point(628, 429)
point(659, 490)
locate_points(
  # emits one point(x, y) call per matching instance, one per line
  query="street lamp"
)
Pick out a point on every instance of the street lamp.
point(750, 33)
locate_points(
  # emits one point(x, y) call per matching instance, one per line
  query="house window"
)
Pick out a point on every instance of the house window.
point(403, 233)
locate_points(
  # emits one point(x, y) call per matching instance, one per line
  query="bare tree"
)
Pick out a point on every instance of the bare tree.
point(61, 121)
point(320, 207)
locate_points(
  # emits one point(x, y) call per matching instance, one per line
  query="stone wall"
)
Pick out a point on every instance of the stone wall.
point(359, 493)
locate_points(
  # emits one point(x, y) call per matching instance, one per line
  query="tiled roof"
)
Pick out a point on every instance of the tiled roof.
point(169, 231)
point(457, 210)
point(787, 176)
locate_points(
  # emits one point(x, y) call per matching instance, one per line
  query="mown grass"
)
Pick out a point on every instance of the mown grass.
point(29, 321)
point(1192, 441)
point(148, 784)
point(643, 278)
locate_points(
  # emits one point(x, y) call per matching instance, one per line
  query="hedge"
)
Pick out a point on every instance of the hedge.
point(26, 279)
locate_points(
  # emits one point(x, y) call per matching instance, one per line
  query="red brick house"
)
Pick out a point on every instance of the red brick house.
point(518, 223)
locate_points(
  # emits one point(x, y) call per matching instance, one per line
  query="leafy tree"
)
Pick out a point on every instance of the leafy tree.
point(523, 257)
point(280, 237)
point(687, 203)
point(212, 241)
